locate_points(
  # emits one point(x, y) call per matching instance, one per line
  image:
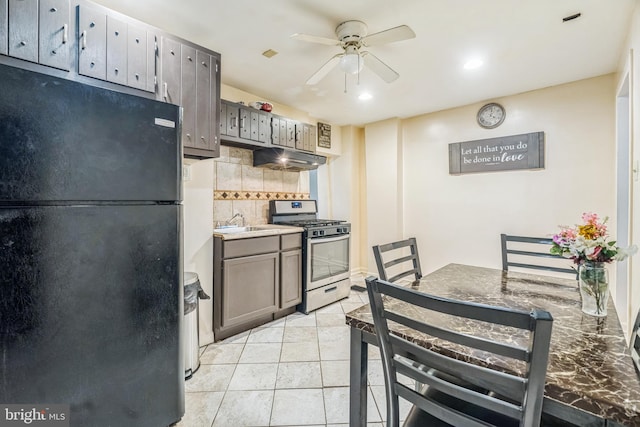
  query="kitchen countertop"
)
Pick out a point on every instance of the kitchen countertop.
point(258, 231)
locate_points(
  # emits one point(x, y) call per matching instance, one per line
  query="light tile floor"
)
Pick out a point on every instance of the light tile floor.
point(291, 372)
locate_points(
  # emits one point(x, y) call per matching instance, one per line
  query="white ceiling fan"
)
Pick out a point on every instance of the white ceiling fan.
point(352, 37)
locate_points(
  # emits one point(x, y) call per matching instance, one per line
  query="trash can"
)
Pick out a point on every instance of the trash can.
point(192, 292)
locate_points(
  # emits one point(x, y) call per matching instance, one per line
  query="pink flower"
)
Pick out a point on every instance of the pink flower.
point(590, 218)
point(594, 255)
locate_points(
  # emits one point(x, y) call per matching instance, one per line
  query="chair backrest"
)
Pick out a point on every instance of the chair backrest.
point(456, 377)
point(520, 251)
point(634, 343)
point(394, 263)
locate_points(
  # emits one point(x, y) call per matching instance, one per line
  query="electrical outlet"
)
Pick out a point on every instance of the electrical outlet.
point(186, 172)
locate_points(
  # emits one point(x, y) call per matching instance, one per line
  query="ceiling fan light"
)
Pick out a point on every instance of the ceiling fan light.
point(351, 63)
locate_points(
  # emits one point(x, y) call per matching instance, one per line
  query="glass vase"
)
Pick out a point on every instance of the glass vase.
point(594, 288)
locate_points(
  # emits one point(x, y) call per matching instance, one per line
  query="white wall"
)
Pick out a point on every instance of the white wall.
point(384, 184)
point(460, 218)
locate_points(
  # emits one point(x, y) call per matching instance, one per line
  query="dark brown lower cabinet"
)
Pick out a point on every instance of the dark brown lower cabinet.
point(255, 280)
point(249, 288)
point(290, 270)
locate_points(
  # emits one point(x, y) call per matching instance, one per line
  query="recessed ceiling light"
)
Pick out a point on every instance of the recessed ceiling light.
point(365, 96)
point(472, 64)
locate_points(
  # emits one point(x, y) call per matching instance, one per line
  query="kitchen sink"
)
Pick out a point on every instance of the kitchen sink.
point(229, 230)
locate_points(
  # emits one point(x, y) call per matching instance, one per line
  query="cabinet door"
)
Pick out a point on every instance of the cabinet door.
point(291, 134)
point(23, 29)
point(153, 65)
point(54, 33)
point(137, 57)
point(290, 278)
point(116, 51)
point(299, 136)
point(188, 97)
point(215, 106)
point(92, 32)
point(244, 130)
point(170, 62)
point(249, 288)
point(283, 133)
point(232, 120)
point(312, 138)
point(4, 27)
point(263, 128)
point(255, 126)
point(275, 131)
point(203, 100)
point(305, 137)
point(223, 118)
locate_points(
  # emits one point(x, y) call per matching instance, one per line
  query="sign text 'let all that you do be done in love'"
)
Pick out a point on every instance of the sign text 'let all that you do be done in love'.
point(524, 151)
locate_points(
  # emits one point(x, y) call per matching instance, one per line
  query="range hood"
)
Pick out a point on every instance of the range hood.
point(279, 158)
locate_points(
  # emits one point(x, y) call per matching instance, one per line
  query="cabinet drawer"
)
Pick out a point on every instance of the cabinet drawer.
point(244, 247)
point(290, 241)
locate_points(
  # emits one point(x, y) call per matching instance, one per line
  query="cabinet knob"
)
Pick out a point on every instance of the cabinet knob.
point(189, 58)
point(204, 63)
point(117, 33)
point(53, 9)
point(116, 71)
point(93, 24)
point(93, 64)
point(137, 40)
point(53, 52)
point(172, 52)
point(137, 76)
point(23, 43)
point(202, 138)
point(189, 135)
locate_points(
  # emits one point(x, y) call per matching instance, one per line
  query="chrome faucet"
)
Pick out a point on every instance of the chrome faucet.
point(233, 218)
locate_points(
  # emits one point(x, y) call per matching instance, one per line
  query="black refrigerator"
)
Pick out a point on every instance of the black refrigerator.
point(90, 251)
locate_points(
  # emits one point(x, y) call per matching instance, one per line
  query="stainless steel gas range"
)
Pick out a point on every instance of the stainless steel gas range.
point(326, 268)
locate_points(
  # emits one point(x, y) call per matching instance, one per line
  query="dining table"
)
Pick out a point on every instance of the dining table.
point(591, 379)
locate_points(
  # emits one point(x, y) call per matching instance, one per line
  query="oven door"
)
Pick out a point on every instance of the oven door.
point(327, 260)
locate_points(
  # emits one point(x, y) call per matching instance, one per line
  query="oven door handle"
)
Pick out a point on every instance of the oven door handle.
point(328, 239)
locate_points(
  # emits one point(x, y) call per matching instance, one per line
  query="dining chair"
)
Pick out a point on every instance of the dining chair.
point(394, 263)
point(634, 343)
point(445, 400)
point(521, 252)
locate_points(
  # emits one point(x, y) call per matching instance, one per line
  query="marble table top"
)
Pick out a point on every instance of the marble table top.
point(589, 363)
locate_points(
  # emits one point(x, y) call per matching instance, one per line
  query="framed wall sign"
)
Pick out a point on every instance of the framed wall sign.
point(504, 153)
point(324, 135)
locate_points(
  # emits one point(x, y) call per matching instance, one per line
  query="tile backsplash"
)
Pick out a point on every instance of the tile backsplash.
point(241, 188)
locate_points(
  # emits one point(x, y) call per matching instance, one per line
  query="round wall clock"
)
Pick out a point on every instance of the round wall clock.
point(491, 115)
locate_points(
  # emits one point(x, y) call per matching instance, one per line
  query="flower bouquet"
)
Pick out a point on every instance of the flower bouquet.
point(588, 246)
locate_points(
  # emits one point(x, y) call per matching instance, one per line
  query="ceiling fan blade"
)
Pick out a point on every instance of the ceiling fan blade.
point(315, 39)
point(324, 70)
point(385, 72)
point(391, 35)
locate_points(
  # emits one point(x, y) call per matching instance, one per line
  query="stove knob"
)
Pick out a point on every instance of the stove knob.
point(322, 232)
point(315, 233)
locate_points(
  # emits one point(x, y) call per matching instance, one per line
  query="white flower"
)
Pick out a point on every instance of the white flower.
point(625, 252)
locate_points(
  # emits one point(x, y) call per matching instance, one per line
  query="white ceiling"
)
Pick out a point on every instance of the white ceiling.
point(524, 45)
